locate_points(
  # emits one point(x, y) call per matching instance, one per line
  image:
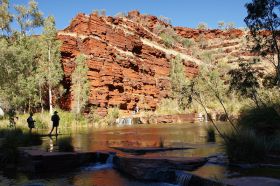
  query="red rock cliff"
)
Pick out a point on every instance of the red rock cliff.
point(128, 64)
point(123, 68)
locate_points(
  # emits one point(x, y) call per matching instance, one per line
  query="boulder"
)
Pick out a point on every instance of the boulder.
point(155, 168)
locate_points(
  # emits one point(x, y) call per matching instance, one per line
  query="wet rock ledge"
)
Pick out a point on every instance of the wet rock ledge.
point(162, 169)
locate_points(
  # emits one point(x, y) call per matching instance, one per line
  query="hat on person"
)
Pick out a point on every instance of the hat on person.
point(55, 112)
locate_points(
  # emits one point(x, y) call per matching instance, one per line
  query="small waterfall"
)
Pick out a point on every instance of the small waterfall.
point(99, 166)
point(110, 159)
point(124, 121)
point(182, 178)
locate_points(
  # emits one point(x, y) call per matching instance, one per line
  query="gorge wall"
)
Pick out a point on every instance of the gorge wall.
point(129, 64)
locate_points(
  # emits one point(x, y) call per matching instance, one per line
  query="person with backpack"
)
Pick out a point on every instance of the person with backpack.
point(31, 122)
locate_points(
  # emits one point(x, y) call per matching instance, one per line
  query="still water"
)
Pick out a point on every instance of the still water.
point(94, 139)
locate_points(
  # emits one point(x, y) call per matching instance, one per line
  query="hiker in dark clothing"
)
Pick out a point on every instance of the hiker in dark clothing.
point(31, 122)
point(55, 119)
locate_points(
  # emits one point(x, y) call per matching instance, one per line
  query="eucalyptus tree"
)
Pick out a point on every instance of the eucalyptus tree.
point(80, 84)
point(5, 17)
point(49, 62)
point(264, 23)
point(178, 81)
point(28, 17)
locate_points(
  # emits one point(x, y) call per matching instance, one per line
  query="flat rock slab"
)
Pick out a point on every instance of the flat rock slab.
point(156, 168)
point(37, 160)
point(254, 181)
point(144, 150)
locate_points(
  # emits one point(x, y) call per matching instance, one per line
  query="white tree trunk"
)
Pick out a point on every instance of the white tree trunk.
point(49, 76)
point(50, 100)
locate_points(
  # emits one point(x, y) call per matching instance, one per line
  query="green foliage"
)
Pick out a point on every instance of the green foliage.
point(168, 106)
point(246, 146)
point(65, 144)
point(80, 84)
point(264, 15)
point(5, 17)
point(258, 130)
point(264, 120)
point(93, 116)
point(244, 80)
point(168, 35)
point(49, 70)
point(41, 123)
point(207, 57)
point(167, 39)
point(202, 42)
point(13, 139)
point(50, 54)
point(70, 119)
point(26, 62)
point(28, 17)
point(179, 81)
point(187, 43)
point(112, 114)
point(159, 28)
point(18, 64)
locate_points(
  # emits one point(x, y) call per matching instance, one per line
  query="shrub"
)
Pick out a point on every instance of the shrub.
point(65, 145)
point(112, 114)
point(246, 146)
point(263, 120)
point(202, 42)
point(9, 150)
point(187, 43)
point(159, 28)
point(169, 36)
point(168, 106)
point(168, 40)
point(41, 124)
point(207, 57)
point(93, 116)
point(12, 140)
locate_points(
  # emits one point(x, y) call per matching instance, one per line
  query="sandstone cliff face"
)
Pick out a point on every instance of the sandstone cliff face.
point(128, 63)
point(123, 71)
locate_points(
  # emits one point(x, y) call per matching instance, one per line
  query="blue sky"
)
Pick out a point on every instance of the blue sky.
point(188, 13)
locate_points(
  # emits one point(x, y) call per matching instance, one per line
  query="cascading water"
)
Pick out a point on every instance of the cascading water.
point(110, 159)
point(99, 166)
point(182, 178)
point(124, 121)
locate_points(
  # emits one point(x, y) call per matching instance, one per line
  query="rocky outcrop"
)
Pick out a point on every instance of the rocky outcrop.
point(128, 62)
point(155, 169)
point(209, 33)
point(123, 71)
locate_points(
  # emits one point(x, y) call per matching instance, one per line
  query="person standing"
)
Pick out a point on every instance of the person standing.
point(30, 122)
point(55, 119)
